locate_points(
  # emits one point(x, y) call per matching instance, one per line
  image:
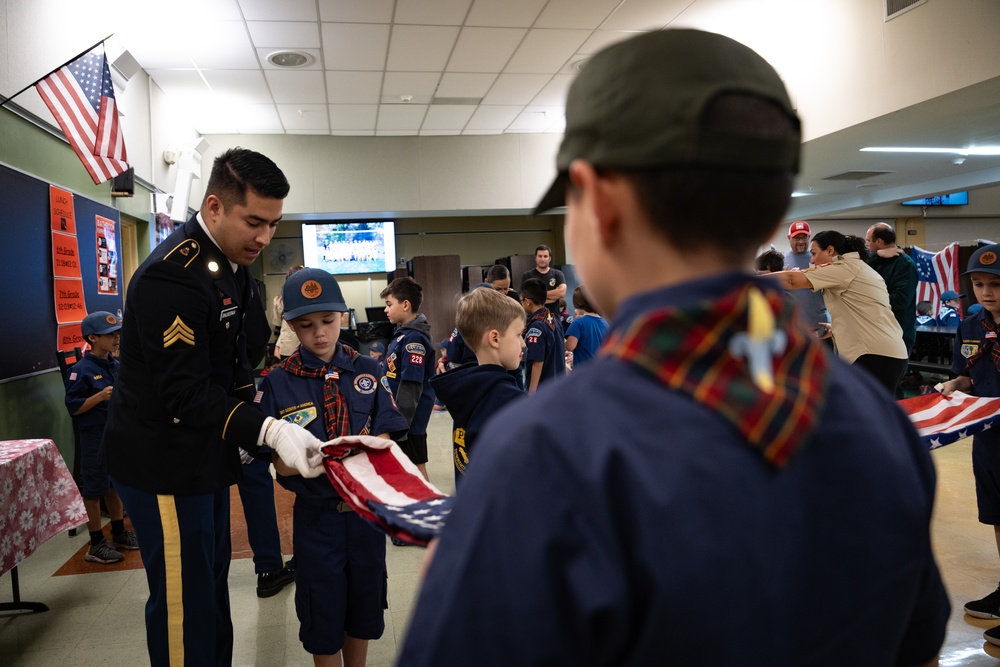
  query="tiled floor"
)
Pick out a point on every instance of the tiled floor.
point(97, 619)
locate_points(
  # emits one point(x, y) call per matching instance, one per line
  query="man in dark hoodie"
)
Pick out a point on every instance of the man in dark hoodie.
point(491, 324)
point(408, 364)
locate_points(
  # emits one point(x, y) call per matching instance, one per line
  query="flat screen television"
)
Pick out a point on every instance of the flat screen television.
point(350, 247)
point(954, 199)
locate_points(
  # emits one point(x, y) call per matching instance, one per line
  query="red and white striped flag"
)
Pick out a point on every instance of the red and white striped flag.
point(82, 98)
point(936, 274)
point(942, 420)
point(379, 481)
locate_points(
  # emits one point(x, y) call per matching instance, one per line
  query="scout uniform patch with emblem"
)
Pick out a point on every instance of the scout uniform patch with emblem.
point(302, 417)
point(969, 349)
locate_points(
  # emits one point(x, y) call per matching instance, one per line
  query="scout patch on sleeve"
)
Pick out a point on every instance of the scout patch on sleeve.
point(178, 332)
point(365, 383)
point(532, 335)
point(416, 348)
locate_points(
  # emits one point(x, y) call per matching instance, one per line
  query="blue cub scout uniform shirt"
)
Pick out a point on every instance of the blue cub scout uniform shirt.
point(410, 357)
point(87, 377)
point(299, 400)
point(968, 341)
point(546, 345)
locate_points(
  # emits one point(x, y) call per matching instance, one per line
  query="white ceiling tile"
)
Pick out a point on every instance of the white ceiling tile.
point(448, 117)
point(400, 116)
point(353, 87)
point(575, 13)
point(264, 53)
point(256, 117)
point(420, 48)
point(601, 39)
point(304, 116)
point(356, 11)
point(530, 121)
point(303, 87)
point(353, 117)
point(645, 14)
point(460, 84)
point(432, 12)
point(286, 10)
point(355, 46)
point(179, 83)
point(484, 49)
point(546, 51)
point(506, 14)
point(421, 85)
point(554, 93)
point(284, 34)
point(493, 117)
point(558, 126)
point(440, 133)
point(353, 133)
point(516, 88)
point(239, 85)
point(226, 46)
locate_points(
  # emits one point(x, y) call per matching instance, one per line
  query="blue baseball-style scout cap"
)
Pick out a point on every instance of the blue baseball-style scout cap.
point(99, 323)
point(949, 295)
point(985, 260)
point(311, 291)
point(640, 104)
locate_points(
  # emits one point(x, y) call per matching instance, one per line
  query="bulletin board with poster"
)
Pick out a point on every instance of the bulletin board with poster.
point(27, 268)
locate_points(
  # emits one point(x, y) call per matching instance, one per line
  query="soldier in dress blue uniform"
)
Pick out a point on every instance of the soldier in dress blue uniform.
point(182, 408)
point(710, 456)
point(976, 365)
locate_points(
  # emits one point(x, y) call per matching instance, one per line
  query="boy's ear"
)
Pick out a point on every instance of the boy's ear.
point(492, 338)
point(407, 306)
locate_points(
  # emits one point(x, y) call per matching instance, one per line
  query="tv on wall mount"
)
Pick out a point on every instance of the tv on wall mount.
point(350, 247)
point(953, 199)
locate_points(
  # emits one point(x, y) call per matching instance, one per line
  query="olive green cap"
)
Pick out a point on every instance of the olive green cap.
point(639, 104)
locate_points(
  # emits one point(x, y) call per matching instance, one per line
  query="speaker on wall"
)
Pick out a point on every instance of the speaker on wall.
point(123, 185)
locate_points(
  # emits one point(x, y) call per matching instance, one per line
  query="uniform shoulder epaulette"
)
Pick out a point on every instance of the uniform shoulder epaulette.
point(183, 253)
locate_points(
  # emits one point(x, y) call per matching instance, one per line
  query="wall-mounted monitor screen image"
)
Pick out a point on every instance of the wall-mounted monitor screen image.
point(350, 247)
point(954, 199)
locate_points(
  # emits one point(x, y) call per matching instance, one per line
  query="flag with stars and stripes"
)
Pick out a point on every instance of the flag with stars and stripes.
point(942, 420)
point(383, 486)
point(82, 98)
point(936, 274)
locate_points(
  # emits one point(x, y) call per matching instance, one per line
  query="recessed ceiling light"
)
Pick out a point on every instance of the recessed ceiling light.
point(969, 150)
point(290, 58)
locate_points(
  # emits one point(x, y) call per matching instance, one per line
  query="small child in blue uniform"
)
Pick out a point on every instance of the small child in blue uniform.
point(408, 365)
point(492, 323)
point(924, 317)
point(88, 390)
point(332, 391)
point(976, 363)
point(545, 356)
point(948, 315)
point(586, 332)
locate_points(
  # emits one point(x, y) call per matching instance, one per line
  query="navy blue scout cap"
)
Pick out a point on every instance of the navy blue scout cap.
point(99, 323)
point(949, 295)
point(311, 291)
point(985, 260)
point(640, 104)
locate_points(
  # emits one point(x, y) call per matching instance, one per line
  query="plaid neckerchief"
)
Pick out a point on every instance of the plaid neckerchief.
point(989, 349)
point(742, 356)
point(336, 422)
point(541, 315)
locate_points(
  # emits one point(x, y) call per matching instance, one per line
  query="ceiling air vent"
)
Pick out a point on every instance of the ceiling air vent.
point(855, 175)
point(894, 8)
point(456, 101)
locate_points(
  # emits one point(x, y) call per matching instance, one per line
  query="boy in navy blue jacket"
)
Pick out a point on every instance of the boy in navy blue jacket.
point(332, 391)
point(492, 325)
point(88, 390)
point(408, 365)
point(545, 356)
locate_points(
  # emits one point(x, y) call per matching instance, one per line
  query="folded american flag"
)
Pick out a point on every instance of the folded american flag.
point(942, 420)
point(379, 481)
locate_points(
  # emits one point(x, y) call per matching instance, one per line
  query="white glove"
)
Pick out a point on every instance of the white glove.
point(297, 447)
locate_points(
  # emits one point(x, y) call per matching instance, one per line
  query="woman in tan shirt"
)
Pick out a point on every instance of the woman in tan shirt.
point(865, 332)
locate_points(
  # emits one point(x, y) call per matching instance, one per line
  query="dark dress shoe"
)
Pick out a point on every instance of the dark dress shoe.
point(271, 583)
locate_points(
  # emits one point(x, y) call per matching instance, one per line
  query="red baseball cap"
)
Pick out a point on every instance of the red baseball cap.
point(800, 227)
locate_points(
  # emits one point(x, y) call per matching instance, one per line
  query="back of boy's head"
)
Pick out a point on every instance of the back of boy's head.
point(482, 310)
point(311, 291)
point(771, 261)
point(497, 272)
point(580, 301)
point(924, 307)
point(405, 289)
point(534, 289)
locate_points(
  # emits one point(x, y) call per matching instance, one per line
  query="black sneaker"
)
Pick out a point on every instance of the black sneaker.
point(125, 540)
point(988, 607)
point(993, 636)
point(401, 543)
point(271, 583)
point(103, 553)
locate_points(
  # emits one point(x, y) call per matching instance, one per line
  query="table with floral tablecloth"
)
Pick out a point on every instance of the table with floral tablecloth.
point(38, 498)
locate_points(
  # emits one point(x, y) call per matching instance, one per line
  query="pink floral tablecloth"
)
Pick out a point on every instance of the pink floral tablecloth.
point(38, 498)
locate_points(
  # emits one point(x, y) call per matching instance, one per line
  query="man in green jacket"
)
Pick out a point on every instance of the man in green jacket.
point(900, 275)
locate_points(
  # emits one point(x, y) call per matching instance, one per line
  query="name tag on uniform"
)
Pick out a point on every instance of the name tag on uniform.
point(228, 312)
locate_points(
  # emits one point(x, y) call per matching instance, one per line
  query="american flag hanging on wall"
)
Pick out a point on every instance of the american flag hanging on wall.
point(936, 274)
point(82, 98)
point(942, 420)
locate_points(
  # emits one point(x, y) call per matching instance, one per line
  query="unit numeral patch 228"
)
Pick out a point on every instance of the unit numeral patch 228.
point(417, 352)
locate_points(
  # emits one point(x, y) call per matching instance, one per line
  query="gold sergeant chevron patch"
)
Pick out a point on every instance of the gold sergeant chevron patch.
point(178, 331)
